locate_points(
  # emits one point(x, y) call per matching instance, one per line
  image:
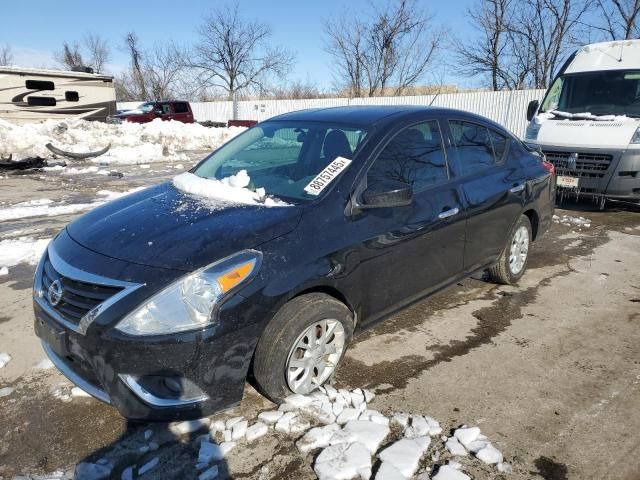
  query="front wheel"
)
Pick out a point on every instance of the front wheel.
point(513, 262)
point(302, 346)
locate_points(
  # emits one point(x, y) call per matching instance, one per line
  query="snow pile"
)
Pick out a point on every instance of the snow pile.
point(350, 449)
point(233, 189)
point(568, 221)
point(22, 250)
point(130, 142)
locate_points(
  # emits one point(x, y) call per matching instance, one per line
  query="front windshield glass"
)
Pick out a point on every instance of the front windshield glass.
point(145, 107)
point(614, 92)
point(283, 157)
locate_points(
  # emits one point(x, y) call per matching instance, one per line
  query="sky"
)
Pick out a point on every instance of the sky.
point(36, 29)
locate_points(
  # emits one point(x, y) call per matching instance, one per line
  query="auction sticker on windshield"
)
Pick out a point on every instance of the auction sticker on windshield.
point(326, 176)
point(569, 182)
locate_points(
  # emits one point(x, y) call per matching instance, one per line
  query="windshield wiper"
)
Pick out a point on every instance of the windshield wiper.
point(582, 116)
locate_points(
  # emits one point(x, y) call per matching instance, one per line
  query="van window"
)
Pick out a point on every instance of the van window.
point(39, 85)
point(41, 101)
point(473, 143)
point(414, 156)
point(180, 108)
point(71, 96)
point(166, 108)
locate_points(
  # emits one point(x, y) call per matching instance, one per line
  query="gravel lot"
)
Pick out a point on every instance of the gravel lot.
point(548, 369)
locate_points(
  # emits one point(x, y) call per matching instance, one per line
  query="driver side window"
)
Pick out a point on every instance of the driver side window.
point(414, 156)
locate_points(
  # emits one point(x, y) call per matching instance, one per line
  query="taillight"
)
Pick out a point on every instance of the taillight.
point(548, 166)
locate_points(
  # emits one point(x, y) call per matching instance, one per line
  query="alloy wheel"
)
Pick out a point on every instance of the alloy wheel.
point(315, 355)
point(519, 250)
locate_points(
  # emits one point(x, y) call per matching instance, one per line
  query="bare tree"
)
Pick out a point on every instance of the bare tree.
point(70, 56)
point(233, 54)
point(385, 53)
point(548, 29)
point(98, 52)
point(490, 52)
point(137, 75)
point(93, 52)
point(6, 55)
point(620, 17)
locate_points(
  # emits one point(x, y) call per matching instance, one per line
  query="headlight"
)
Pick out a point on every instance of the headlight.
point(191, 302)
point(532, 131)
point(636, 136)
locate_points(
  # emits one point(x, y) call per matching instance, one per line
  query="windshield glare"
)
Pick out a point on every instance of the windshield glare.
point(614, 92)
point(145, 107)
point(283, 157)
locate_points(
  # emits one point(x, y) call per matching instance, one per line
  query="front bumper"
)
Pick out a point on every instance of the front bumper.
point(611, 173)
point(169, 377)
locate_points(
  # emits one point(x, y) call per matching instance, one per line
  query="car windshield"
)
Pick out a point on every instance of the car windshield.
point(615, 92)
point(284, 157)
point(145, 107)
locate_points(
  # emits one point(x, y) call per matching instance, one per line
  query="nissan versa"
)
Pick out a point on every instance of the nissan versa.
point(164, 302)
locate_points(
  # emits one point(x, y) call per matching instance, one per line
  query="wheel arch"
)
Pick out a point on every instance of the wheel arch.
point(534, 219)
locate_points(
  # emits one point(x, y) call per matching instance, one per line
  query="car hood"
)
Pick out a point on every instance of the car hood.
point(163, 227)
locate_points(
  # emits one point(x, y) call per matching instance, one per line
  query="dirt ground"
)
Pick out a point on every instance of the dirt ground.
point(548, 369)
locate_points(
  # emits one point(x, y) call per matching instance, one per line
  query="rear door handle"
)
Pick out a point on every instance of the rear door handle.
point(517, 188)
point(449, 213)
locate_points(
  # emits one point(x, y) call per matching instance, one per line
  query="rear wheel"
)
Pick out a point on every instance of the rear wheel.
point(302, 346)
point(513, 262)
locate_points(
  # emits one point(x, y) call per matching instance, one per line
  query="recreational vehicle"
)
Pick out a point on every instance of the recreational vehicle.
point(32, 95)
point(588, 124)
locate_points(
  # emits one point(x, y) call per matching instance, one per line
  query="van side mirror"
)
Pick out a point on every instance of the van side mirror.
point(532, 109)
point(387, 194)
point(158, 112)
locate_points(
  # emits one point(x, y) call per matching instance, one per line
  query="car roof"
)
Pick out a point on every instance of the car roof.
point(367, 115)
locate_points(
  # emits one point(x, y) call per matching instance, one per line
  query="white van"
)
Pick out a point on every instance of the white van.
point(31, 95)
point(588, 122)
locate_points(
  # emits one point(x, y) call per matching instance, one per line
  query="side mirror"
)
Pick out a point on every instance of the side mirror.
point(386, 194)
point(158, 112)
point(532, 109)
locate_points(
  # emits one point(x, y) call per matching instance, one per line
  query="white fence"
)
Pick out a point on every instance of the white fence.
point(505, 107)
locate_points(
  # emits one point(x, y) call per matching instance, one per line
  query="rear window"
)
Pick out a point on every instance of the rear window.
point(181, 108)
point(39, 85)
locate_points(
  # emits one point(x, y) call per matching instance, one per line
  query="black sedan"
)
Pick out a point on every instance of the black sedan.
point(266, 258)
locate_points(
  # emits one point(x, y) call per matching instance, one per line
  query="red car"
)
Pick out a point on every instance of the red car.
point(146, 112)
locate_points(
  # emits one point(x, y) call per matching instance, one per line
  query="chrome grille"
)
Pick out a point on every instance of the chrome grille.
point(585, 165)
point(78, 298)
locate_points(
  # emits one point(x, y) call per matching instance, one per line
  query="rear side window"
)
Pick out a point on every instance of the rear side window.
point(499, 143)
point(473, 143)
point(39, 85)
point(41, 101)
point(414, 156)
point(180, 108)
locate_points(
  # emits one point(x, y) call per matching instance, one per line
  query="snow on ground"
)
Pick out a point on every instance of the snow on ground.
point(22, 250)
point(4, 359)
point(569, 221)
point(399, 446)
point(231, 189)
point(130, 142)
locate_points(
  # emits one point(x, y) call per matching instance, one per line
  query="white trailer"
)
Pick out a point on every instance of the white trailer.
point(31, 95)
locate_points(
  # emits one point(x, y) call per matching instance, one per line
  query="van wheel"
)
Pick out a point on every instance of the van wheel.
point(513, 262)
point(302, 346)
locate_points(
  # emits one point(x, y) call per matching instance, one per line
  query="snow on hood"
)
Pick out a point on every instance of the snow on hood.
point(231, 189)
point(131, 143)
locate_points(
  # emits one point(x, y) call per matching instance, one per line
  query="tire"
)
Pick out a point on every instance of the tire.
point(275, 354)
point(513, 261)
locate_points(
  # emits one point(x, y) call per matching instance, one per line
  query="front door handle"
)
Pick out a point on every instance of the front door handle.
point(517, 188)
point(449, 213)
